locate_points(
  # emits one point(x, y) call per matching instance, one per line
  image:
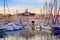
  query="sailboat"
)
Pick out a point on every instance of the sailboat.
point(10, 26)
point(56, 28)
point(2, 29)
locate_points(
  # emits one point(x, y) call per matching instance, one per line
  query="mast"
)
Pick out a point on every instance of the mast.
point(55, 7)
point(4, 6)
point(17, 17)
point(4, 13)
point(50, 13)
point(57, 16)
point(7, 6)
point(55, 10)
point(45, 7)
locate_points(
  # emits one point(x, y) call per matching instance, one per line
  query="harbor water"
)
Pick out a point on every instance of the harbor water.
point(17, 35)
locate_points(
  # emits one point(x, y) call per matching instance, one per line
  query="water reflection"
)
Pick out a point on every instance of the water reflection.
point(17, 35)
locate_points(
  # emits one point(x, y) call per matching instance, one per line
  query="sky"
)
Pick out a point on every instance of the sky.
point(23, 4)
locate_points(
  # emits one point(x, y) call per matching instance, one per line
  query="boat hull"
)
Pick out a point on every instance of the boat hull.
point(56, 30)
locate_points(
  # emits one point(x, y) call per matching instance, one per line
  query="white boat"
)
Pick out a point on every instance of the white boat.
point(1, 26)
point(11, 26)
point(16, 26)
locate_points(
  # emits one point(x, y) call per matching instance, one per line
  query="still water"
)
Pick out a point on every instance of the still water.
point(17, 35)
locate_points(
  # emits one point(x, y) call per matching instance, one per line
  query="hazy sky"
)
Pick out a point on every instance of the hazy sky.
point(32, 5)
point(25, 3)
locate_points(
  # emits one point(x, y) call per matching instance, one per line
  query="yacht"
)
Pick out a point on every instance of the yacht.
point(9, 26)
point(12, 26)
